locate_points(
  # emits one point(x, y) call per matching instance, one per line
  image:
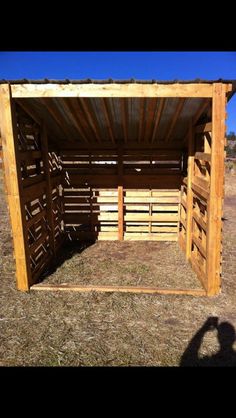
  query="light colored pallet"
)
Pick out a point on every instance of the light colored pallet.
point(150, 237)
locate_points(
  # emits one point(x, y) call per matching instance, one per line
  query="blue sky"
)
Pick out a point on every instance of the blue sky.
point(123, 65)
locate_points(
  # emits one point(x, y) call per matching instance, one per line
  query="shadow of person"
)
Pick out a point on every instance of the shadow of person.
point(226, 356)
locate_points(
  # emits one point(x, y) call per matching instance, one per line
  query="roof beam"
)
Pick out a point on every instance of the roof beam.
point(56, 117)
point(68, 106)
point(150, 119)
point(91, 119)
point(28, 109)
point(124, 113)
point(108, 119)
point(158, 118)
point(112, 90)
point(203, 106)
point(175, 118)
point(141, 119)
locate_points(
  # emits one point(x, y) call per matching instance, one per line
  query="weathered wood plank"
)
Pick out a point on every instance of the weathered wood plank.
point(123, 289)
point(189, 202)
point(142, 236)
point(14, 189)
point(203, 193)
point(214, 209)
point(203, 156)
point(177, 113)
point(112, 90)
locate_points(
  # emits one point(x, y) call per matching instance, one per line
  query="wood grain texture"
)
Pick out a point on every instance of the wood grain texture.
point(189, 203)
point(121, 289)
point(14, 189)
point(214, 209)
point(112, 90)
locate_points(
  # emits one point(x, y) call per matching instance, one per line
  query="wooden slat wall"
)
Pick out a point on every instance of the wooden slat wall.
point(203, 236)
point(92, 183)
point(194, 201)
point(37, 214)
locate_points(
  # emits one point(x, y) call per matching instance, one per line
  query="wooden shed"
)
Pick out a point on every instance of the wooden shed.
point(115, 160)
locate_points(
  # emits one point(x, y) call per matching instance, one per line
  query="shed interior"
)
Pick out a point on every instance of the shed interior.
point(119, 168)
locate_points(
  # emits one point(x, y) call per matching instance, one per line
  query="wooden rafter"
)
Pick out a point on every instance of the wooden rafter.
point(150, 119)
point(124, 115)
point(106, 112)
point(90, 118)
point(28, 109)
point(24, 105)
point(56, 117)
point(141, 118)
point(200, 110)
point(158, 118)
point(79, 116)
point(203, 106)
point(178, 111)
point(70, 109)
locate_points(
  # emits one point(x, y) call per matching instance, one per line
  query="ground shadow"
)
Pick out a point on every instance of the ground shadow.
point(226, 356)
point(68, 250)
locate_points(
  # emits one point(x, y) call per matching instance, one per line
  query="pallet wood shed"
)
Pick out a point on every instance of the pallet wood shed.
point(114, 160)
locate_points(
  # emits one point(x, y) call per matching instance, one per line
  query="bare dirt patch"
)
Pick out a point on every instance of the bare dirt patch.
point(72, 329)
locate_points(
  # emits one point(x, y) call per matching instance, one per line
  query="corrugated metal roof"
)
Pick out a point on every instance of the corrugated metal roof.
point(110, 80)
point(99, 120)
point(104, 120)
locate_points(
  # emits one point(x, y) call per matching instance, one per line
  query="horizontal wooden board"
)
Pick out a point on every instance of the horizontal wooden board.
point(149, 199)
point(144, 181)
point(201, 90)
point(200, 191)
point(129, 236)
point(155, 193)
point(33, 192)
point(32, 181)
point(157, 217)
point(203, 156)
point(29, 155)
point(123, 289)
point(161, 229)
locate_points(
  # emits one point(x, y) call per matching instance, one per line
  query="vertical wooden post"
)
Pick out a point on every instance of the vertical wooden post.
point(14, 189)
point(120, 195)
point(47, 175)
point(214, 208)
point(189, 191)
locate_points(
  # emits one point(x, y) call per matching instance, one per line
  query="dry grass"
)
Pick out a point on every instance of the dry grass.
point(124, 263)
point(61, 329)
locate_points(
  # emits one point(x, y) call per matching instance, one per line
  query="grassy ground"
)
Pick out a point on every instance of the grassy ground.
point(124, 263)
point(61, 329)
